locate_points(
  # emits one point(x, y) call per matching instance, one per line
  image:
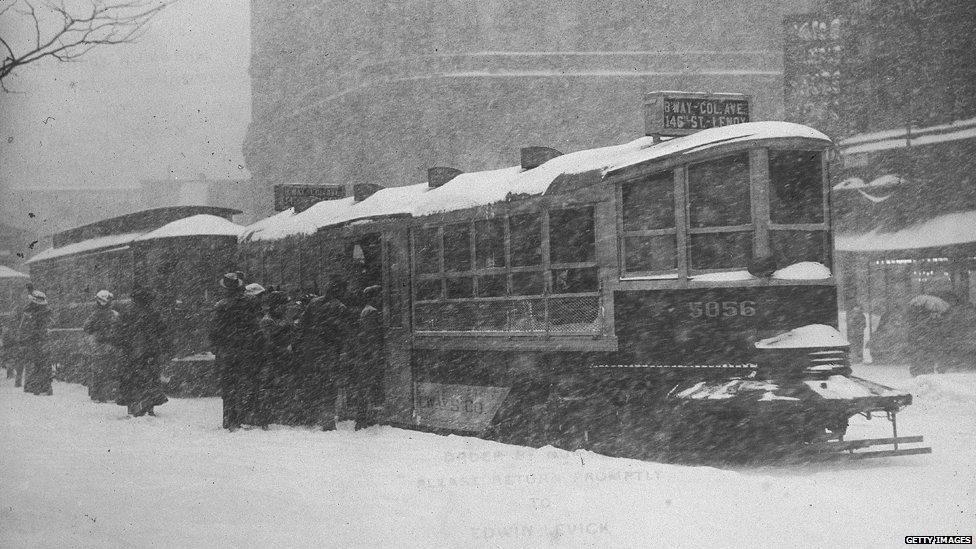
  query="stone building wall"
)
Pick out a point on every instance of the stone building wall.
point(367, 91)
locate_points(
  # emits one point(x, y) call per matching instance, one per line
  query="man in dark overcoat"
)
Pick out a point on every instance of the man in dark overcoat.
point(368, 359)
point(322, 331)
point(278, 379)
point(237, 344)
point(32, 337)
point(143, 340)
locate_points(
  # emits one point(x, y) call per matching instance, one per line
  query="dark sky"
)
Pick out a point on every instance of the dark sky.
point(174, 105)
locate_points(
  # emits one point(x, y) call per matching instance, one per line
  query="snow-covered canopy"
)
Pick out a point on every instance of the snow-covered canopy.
point(7, 272)
point(196, 225)
point(474, 189)
point(902, 138)
point(944, 230)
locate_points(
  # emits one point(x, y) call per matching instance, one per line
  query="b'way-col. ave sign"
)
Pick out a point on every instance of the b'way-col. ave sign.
point(682, 113)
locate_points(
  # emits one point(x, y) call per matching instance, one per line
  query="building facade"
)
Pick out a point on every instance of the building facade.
point(894, 83)
point(362, 91)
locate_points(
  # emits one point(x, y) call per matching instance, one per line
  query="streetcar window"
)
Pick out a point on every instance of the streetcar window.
point(527, 283)
point(460, 288)
point(457, 247)
point(571, 236)
point(574, 281)
point(649, 204)
point(492, 285)
point(796, 187)
point(720, 250)
point(718, 192)
point(489, 243)
point(791, 247)
point(526, 239)
point(427, 242)
point(651, 253)
point(428, 290)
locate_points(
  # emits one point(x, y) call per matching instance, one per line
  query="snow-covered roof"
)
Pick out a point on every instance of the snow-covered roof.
point(944, 230)
point(7, 272)
point(111, 241)
point(487, 187)
point(195, 225)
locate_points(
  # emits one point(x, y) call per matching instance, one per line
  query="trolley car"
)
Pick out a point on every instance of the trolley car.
point(176, 251)
point(648, 299)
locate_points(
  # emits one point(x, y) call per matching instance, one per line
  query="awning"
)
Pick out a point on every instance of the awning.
point(945, 230)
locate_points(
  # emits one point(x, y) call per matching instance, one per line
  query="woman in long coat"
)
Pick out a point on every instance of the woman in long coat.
point(101, 325)
point(32, 334)
point(142, 337)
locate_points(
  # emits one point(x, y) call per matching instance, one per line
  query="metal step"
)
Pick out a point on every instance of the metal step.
point(845, 450)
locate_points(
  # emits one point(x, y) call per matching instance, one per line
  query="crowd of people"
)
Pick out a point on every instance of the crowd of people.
point(311, 362)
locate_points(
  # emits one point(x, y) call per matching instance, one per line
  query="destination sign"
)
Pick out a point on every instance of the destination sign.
point(301, 197)
point(680, 113)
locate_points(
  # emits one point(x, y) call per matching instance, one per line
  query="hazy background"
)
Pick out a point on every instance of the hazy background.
point(174, 105)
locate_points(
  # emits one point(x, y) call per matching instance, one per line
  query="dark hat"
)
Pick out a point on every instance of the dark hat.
point(232, 281)
point(336, 288)
point(142, 295)
point(276, 298)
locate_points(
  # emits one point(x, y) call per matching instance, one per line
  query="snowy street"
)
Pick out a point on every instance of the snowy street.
point(79, 474)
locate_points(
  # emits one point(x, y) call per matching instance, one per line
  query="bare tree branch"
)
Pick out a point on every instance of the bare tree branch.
point(66, 34)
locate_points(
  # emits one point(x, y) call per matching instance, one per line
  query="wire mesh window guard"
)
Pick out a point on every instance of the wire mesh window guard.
point(495, 275)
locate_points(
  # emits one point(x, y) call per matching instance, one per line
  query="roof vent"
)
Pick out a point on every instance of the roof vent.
point(533, 157)
point(362, 191)
point(439, 175)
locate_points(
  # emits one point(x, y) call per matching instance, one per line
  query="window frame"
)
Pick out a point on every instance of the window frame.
point(823, 226)
point(624, 233)
point(761, 228)
point(544, 268)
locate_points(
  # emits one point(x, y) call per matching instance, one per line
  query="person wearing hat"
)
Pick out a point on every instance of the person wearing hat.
point(101, 325)
point(32, 338)
point(143, 338)
point(278, 378)
point(322, 330)
point(368, 359)
point(237, 343)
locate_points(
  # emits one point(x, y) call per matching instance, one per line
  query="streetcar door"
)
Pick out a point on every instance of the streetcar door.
point(398, 380)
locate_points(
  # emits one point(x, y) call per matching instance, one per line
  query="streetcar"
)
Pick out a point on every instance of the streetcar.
point(175, 251)
point(659, 298)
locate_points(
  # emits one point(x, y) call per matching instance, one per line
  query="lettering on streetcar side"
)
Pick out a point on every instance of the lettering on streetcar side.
point(460, 407)
point(716, 309)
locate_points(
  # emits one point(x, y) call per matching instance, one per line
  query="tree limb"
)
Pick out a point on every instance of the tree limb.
point(74, 33)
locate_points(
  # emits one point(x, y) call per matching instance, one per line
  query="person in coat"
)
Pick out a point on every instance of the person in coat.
point(142, 336)
point(322, 330)
point(13, 358)
point(369, 361)
point(278, 379)
point(32, 337)
point(102, 325)
point(237, 344)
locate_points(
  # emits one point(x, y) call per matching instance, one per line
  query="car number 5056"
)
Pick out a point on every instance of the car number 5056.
point(713, 309)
